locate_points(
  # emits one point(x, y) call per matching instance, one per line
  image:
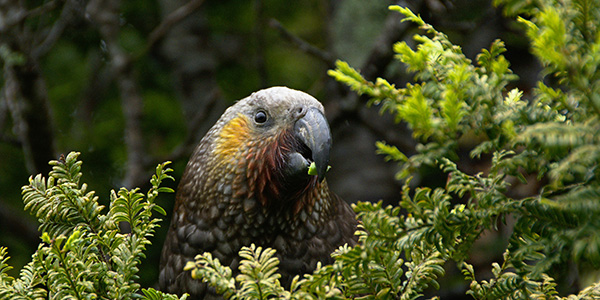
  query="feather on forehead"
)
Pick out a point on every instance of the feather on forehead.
point(282, 97)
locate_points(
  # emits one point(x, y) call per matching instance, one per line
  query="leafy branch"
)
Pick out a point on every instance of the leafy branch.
point(83, 254)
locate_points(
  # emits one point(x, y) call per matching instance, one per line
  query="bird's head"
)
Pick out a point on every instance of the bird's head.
point(270, 139)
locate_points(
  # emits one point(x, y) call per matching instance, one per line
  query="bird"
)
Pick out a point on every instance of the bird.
point(248, 182)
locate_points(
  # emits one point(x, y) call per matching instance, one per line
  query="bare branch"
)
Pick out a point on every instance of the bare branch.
point(68, 13)
point(351, 106)
point(16, 17)
point(381, 53)
point(193, 60)
point(171, 20)
point(302, 44)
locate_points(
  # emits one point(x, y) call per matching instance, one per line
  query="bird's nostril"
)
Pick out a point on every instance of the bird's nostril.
point(299, 112)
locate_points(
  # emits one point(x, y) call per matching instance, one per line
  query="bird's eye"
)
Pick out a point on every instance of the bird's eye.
point(260, 117)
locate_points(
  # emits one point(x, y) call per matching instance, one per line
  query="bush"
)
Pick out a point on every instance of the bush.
point(84, 254)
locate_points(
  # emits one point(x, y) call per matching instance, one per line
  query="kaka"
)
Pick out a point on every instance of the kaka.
point(248, 182)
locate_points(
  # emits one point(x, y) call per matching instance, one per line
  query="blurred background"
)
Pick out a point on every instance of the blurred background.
point(130, 84)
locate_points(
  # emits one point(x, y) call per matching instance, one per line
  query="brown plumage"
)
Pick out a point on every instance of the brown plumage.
point(247, 182)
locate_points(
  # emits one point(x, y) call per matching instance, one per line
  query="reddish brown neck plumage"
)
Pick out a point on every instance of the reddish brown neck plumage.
point(266, 180)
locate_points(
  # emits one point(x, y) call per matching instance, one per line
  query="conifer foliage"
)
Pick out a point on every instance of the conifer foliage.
point(83, 254)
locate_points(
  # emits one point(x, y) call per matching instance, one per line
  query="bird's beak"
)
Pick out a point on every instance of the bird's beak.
point(312, 130)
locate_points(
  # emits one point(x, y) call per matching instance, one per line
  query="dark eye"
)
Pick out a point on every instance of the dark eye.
point(260, 117)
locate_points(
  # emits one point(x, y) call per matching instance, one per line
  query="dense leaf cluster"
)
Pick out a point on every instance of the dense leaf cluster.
point(84, 254)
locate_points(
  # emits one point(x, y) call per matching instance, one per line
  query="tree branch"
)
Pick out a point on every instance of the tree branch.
point(302, 44)
point(67, 15)
point(25, 91)
point(379, 58)
point(382, 54)
point(171, 20)
point(18, 16)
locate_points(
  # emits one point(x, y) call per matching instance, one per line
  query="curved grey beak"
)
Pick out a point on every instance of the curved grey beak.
point(312, 130)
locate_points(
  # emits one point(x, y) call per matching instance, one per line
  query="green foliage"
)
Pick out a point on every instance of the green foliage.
point(547, 140)
point(257, 279)
point(84, 254)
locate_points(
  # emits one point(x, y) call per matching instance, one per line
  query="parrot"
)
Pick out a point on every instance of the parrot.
point(248, 182)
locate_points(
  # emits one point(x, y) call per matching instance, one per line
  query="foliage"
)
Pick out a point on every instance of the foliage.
point(84, 254)
point(548, 139)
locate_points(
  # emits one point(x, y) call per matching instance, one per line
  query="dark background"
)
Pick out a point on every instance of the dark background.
point(130, 84)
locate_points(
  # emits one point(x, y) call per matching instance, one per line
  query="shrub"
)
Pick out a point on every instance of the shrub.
point(84, 254)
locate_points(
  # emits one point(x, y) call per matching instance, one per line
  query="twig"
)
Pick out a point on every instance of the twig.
point(19, 16)
point(302, 44)
point(381, 53)
point(379, 58)
point(170, 20)
point(66, 17)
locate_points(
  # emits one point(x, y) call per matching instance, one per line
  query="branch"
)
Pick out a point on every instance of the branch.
point(351, 106)
point(302, 44)
point(105, 13)
point(17, 17)
point(67, 15)
point(199, 93)
point(171, 20)
point(382, 54)
point(379, 58)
